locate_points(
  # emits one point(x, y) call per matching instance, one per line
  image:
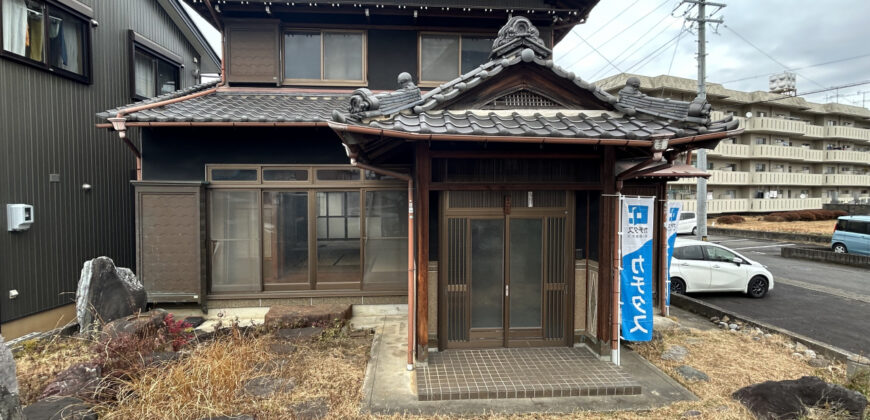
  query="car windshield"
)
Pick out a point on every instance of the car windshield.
point(714, 253)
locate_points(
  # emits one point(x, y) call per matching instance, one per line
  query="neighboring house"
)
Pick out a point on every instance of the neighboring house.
point(289, 181)
point(794, 154)
point(61, 61)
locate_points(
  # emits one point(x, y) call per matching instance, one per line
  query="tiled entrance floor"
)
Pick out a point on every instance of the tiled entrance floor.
point(520, 373)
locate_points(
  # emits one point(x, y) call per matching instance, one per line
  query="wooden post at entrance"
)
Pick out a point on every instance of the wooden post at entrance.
point(423, 167)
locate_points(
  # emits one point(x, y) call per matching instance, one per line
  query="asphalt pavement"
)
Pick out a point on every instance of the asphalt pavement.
point(826, 302)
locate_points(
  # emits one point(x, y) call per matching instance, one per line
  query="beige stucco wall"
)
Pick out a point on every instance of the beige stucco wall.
point(43, 321)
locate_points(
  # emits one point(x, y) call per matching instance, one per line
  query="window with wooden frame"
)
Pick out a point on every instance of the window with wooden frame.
point(443, 57)
point(306, 228)
point(46, 35)
point(154, 70)
point(324, 57)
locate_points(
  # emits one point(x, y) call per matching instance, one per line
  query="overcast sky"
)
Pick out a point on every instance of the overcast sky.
point(796, 33)
point(643, 37)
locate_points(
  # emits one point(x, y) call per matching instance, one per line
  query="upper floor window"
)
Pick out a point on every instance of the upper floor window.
point(324, 56)
point(443, 57)
point(155, 70)
point(44, 35)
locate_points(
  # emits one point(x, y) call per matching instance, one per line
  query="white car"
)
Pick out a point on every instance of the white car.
point(707, 267)
point(688, 223)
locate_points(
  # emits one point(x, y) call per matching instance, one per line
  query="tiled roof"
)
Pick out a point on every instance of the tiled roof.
point(565, 123)
point(240, 106)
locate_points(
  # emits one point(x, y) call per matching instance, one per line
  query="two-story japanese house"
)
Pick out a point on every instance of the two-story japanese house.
point(404, 152)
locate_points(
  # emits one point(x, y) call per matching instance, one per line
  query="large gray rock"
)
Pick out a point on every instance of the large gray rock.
point(790, 399)
point(8, 377)
point(81, 379)
point(60, 408)
point(691, 374)
point(141, 325)
point(106, 293)
point(675, 353)
point(10, 405)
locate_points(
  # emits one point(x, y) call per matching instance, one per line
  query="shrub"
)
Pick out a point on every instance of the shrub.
point(790, 216)
point(806, 215)
point(730, 220)
point(773, 218)
point(838, 213)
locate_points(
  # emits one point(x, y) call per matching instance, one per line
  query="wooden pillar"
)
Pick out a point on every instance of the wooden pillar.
point(607, 235)
point(423, 168)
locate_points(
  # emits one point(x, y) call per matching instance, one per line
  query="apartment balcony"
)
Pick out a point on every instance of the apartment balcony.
point(786, 178)
point(847, 180)
point(767, 151)
point(717, 206)
point(739, 151)
point(766, 205)
point(849, 156)
point(775, 126)
point(814, 155)
point(844, 132)
point(719, 178)
point(814, 131)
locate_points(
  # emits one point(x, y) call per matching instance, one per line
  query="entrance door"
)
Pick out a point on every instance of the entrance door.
point(504, 283)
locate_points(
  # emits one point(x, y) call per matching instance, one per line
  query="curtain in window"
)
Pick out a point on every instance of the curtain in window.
point(439, 58)
point(342, 56)
point(144, 70)
point(66, 42)
point(35, 35)
point(14, 26)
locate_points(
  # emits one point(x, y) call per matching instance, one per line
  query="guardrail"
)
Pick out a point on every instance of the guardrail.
point(844, 132)
point(731, 150)
point(775, 125)
point(784, 204)
point(780, 152)
point(787, 178)
point(847, 156)
point(847, 180)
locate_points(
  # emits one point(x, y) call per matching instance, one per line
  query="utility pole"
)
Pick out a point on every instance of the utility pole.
point(702, 20)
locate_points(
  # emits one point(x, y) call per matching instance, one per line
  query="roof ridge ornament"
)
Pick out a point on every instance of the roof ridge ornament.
point(364, 103)
point(632, 100)
point(516, 35)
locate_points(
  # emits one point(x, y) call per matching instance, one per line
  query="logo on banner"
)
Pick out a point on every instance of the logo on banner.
point(636, 273)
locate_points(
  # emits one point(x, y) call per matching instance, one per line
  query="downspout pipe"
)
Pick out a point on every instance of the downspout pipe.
point(412, 271)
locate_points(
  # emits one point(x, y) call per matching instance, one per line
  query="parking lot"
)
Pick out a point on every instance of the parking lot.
point(826, 302)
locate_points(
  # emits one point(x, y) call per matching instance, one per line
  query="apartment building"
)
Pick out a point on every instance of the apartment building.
point(793, 154)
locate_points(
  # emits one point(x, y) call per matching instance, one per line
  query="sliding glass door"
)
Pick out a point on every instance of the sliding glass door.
point(234, 233)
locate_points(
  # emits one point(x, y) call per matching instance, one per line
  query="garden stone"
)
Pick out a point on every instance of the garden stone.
point(692, 413)
point(675, 353)
point(140, 325)
point(855, 365)
point(661, 323)
point(106, 293)
point(266, 386)
point(691, 374)
point(800, 347)
point(789, 399)
point(768, 335)
point(725, 319)
point(819, 362)
point(798, 355)
point(733, 326)
point(723, 325)
point(194, 321)
point(10, 405)
point(282, 348)
point(299, 333)
point(8, 376)
point(65, 408)
point(303, 316)
point(756, 338)
point(310, 410)
point(809, 353)
point(79, 379)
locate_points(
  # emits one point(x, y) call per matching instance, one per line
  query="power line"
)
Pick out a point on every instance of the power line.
point(828, 89)
point(602, 26)
point(673, 56)
point(840, 60)
point(599, 52)
point(770, 56)
point(639, 47)
point(655, 53)
point(615, 35)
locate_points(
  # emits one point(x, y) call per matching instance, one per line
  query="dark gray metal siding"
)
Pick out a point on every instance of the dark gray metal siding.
point(47, 126)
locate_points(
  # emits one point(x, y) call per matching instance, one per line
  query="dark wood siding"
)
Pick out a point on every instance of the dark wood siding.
point(253, 51)
point(47, 127)
point(180, 154)
point(390, 53)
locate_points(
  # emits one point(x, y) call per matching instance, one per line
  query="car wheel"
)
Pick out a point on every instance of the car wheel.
point(840, 248)
point(757, 287)
point(678, 286)
point(695, 231)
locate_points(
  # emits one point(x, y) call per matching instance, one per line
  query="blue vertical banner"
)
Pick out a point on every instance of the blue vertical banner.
point(636, 274)
point(671, 223)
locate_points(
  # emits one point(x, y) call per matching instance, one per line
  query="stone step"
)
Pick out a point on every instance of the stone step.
point(379, 310)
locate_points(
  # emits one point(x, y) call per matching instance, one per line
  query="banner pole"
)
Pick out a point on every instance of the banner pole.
point(616, 353)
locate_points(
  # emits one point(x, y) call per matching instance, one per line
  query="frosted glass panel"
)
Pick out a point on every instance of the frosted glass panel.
point(386, 242)
point(285, 237)
point(342, 56)
point(487, 273)
point(439, 57)
point(526, 267)
point(235, 240)
point(302, 55)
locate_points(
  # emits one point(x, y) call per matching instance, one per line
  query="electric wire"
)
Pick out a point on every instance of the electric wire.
point(599, 52)
point(770, 56)
point(601, 27)
point(615, 35)
point(673, 56)
point(839, 60)
point(638, 47)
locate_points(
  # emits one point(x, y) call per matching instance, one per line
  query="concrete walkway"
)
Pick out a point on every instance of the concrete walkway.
point(389, 388)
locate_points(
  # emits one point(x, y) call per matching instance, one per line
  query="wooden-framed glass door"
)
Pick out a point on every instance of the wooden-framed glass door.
point(504, 282)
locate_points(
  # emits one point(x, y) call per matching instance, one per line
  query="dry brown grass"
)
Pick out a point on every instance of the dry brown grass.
point(819, 227)
point(39, 361)
point(209, 380)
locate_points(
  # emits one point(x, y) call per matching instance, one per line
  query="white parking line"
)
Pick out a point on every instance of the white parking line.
point(764, 246)
point(730, 240)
